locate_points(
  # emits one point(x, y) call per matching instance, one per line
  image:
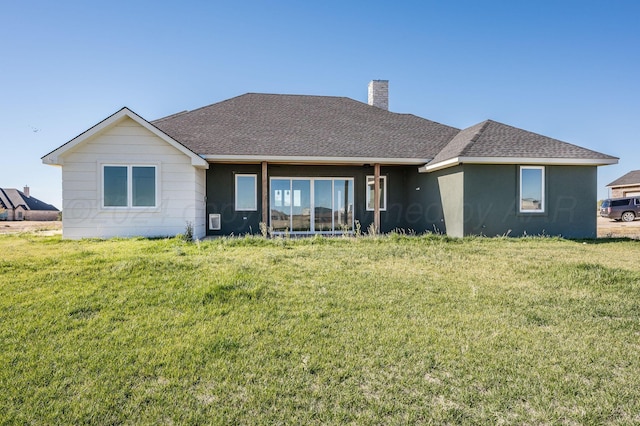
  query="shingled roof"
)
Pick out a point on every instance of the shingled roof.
point(491, 139)
point(270, 125)
point(631, 178)
point(11, 198)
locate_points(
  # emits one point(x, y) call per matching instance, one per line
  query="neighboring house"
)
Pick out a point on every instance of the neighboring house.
point(319, 164)
point(19, 205)
point(626, 186)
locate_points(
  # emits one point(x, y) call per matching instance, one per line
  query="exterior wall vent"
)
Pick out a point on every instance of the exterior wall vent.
point(214, 222)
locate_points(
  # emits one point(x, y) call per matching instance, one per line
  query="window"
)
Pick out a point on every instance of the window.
point(246, 192)
point(620, 203)
point(531, 189)
point(129, 186)
point(383, 193)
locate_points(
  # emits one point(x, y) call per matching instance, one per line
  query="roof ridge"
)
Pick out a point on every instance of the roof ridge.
point(484, 124)
point(171, 116)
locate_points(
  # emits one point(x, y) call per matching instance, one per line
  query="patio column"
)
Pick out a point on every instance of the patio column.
point(265, 194)
point(376, 197)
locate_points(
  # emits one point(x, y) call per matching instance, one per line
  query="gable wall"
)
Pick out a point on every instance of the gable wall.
point(180, 191)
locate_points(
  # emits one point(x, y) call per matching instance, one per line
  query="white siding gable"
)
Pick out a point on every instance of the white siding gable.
point(180, 188)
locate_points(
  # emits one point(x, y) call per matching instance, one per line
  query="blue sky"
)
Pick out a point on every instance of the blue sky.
point(565, 69)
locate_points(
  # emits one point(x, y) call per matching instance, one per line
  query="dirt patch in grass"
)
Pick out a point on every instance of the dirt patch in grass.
point(35, 226)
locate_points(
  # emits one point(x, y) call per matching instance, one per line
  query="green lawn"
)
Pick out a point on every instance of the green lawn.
point(390, 330)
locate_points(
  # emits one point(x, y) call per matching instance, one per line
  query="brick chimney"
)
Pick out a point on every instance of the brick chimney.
point(26, 191)
point(379, 94)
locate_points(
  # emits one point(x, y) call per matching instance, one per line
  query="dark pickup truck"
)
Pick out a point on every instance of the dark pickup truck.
point(625, 209)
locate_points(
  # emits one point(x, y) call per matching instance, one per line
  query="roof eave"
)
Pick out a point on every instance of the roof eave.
point(427, 168)
point(624, 185)
point(293, 159)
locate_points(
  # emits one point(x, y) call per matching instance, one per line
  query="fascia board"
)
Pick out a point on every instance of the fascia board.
point(54, 157)
point(626, 185)
point(196, 160)
point(517, 160)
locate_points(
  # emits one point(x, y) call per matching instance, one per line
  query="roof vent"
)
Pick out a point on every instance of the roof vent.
point(379, 94)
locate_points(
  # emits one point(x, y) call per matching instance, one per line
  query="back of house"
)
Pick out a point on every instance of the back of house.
point(298, 164)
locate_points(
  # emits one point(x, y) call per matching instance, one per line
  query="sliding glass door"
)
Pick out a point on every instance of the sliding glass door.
point(311, 205)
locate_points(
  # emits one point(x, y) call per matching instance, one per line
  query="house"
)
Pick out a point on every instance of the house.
point(320, 165)
point(626, 186)
point(20, 205)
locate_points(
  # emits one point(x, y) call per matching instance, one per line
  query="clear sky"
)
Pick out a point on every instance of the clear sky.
point(566, 69)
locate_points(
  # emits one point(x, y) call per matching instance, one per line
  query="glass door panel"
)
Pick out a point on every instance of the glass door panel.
point(280, 204)
point(304, 205)
point(301, 206)
point(343, 204)
point(323, 208)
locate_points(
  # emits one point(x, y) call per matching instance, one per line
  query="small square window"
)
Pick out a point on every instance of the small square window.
point(246, 192)
point(370, 193)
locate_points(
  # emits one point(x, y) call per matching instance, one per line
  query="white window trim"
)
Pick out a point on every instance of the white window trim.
point(255, 192)
point(543, 204)
point(129, 205)
point(383, 186)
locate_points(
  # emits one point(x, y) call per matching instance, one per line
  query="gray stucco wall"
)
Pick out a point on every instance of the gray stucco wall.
point(462, 200)
point(491, 197)
point(452, 196)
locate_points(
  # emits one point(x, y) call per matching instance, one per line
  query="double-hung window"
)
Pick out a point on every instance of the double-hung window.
point(532, 197)
point(129, 186)
point(370, 193)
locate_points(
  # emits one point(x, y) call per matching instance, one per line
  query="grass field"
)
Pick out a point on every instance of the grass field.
point(389, 330)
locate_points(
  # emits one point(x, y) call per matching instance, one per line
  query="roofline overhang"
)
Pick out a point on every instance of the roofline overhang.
point(517, 160)
point(54, 157)
point(626, 185)
point(297, 159)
